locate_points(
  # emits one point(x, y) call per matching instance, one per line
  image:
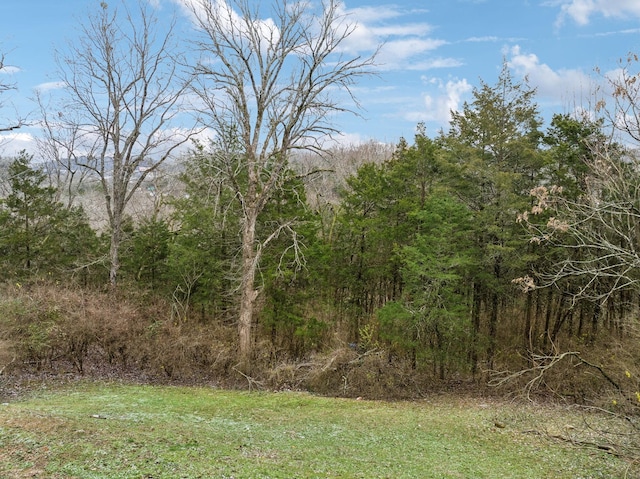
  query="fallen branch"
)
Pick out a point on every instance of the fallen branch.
point(250, 380)
point(544, 363)
point(609, 449)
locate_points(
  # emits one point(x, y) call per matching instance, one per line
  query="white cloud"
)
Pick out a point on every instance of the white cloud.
point(433, 63)
point(49, 86)
point(416, 29)
point(401, 54)
point(13, 143)
point(448, 97)
point(580, 11)
point(558, 86)
point(361, 39)
point(204, 13)
point(9, 70)
point(403, 43)
point(372, 14)
point(627, 31)
point(488, 38)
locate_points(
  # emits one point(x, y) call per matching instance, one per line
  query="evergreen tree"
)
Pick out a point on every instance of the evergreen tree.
point(145, 252)
point(432, 319)
point(39, 236)
point(202, 257)
point(376, 222)
point(493, 147)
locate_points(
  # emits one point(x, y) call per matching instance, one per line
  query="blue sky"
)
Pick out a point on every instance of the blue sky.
point(435, 53)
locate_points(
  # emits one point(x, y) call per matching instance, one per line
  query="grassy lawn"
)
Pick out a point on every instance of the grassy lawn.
point(121, 431)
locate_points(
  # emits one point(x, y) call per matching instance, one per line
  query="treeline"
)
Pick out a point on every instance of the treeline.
point(428, 259)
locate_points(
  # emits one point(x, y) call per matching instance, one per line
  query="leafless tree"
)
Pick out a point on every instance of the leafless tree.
point(15, 122)
point(600, 229)
point(275, 84)
point(326, 173)
point(124, 99)
point(62, 146)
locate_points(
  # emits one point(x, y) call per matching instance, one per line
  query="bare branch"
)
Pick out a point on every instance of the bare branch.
point(598, 231)
point(17, 122)
point(122, 114)
point(274, 85)
point(542, 365)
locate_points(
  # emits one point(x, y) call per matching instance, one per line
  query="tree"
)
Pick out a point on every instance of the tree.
point(272, 86)
point(493, 147)
point(598, 231)
point(595, 235)
point(568, 156)
point(372, 222)
point(202, 256)
point(13, 123)
point(63, 147)
point(147, 253)
point(123, 98)
point(433, 313)
point(376, 221)
point(38, 235)
point(598, 228)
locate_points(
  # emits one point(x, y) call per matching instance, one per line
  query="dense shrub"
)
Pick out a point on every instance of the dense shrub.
point(44, 325)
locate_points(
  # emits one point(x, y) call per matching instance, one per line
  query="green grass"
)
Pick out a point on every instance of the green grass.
point(120, 431)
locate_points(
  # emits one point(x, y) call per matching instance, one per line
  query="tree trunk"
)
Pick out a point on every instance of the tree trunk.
point(248, 292)
point(547, 319)
point(114, 249)
point(475, 331)
point(493, 316)
point(527, 322)
point(493, 329)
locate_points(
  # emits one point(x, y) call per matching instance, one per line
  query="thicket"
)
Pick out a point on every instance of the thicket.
point(405, 276)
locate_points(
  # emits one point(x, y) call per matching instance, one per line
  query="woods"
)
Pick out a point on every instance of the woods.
point(246, 246)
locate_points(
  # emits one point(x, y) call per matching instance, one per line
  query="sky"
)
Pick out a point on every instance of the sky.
point(434, 53)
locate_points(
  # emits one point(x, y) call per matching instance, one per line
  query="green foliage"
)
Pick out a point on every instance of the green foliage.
point(38, 235)
point(434, 313)
point(376, 221)
point(417, 260)
point(293, 333)
point(201, 258)
point(397, 327)
point(571, 149)
point(571, 143)
point(148, 249)
point(493, 152)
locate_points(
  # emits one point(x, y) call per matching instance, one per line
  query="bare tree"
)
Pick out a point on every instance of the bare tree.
point(598, 230)
point(124, 100)
point(62, 146)
point(274, 84)
point(15, 122)
point(326, 173)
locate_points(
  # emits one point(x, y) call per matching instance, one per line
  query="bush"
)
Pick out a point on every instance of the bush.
point(97, 333)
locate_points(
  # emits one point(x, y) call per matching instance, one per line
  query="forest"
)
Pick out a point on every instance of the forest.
point(500, 253)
